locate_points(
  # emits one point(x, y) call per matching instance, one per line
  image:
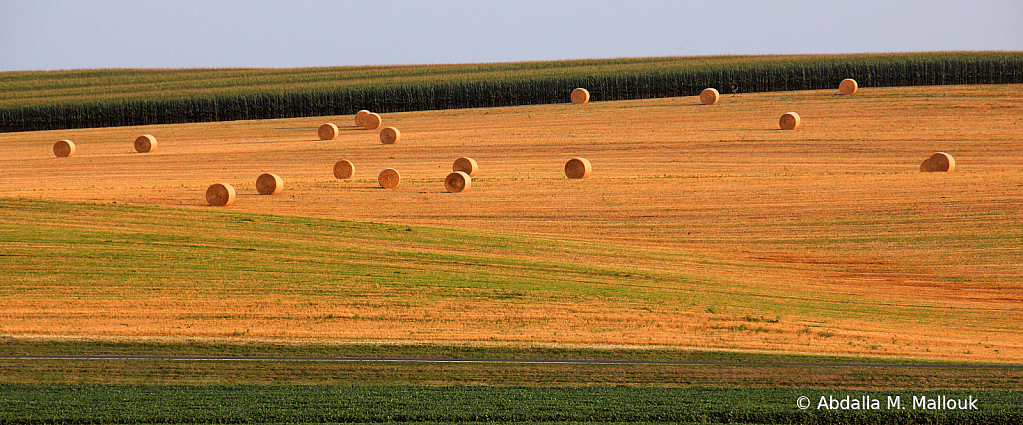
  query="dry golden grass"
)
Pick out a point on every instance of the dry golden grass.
point(837, 210)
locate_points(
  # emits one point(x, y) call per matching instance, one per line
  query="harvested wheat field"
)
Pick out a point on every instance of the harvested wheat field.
point(738, 235)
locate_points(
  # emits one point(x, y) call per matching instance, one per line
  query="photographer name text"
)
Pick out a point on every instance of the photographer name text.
point(830, 402)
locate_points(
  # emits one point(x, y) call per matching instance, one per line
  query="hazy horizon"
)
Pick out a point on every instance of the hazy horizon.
point(81, 34)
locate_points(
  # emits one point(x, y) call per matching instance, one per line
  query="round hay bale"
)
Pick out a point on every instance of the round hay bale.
point(466, 165)
point(939, 162)
point(145, 143)
point(64, 148)
point(926, 165)
point(389, 178)
point(847, 87)
point(389, 136)
point(220, 195)
point(580, 96)
point(344, 169)
point(359, 116)
point(789, 121)
point(269, 184)
point(371, 121)
point(709, 96)
point(327, 131)
point(457, 181)
point(578, 168)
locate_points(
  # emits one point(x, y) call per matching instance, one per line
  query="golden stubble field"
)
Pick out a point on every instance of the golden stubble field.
point(835, 209)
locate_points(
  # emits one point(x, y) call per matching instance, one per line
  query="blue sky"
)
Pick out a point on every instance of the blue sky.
point(41, 35)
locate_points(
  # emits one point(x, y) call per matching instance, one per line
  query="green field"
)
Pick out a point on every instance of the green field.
point(25, 88)
point(30, 404)
point(738, 369)
point(37, 100)
point(165, 249)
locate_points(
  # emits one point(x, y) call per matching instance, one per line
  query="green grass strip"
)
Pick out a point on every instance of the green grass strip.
point(51, 244)
point(95, 404)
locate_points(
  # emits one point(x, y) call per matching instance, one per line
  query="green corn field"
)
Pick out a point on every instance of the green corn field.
point(63, 100)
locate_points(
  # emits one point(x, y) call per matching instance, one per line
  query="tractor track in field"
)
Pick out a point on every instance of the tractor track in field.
point(505, 361)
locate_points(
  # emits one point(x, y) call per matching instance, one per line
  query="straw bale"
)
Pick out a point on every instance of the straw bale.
point(938, 162)
point(327, 131)
point(709, 96)
point(578, 168)
point(457, 181)
point(371, 121)
point(390, 136)
point(789, 121)
point(220, 195)
point(389, 178)
point(145, 143)
point(344, 169)
point(359, 117)
point(466, 165)
point(64, 148)
point(269, 184)
point(580, 96)
point(847, 87)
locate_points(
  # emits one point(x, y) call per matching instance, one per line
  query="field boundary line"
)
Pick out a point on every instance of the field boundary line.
point(504, 361)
